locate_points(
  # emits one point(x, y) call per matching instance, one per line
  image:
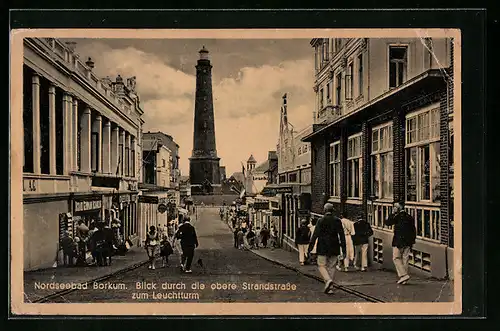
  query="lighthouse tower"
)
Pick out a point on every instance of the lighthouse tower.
point(204, 172)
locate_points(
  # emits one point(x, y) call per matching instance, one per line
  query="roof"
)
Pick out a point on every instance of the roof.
point(264, 166)
point(149, 145)
point(164, 137)
point(251, 159)
point(238, 176)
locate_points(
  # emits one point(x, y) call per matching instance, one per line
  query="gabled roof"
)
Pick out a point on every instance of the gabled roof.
point(264, 166)
point(238, 176)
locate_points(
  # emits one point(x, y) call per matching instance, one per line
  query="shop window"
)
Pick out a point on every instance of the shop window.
point(334, 169)
point(354, 171)
point(423, 162)
point(382, 162)
point(397, 65)
point(305, 176)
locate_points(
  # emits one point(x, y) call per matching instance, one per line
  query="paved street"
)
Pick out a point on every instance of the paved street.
point(228, 275)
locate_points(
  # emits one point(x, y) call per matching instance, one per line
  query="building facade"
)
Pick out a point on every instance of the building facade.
point(82, 148)
point(157, 159)
point(173, 160)
point(294, 175)
point(382, 133)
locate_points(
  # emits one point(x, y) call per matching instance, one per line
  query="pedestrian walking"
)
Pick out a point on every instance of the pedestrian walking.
point(403, 239)
point(274, 237)
point(264, 233)
point(312, 254)
point(235, 237)
point(363, 231)
point(151, 243)
point(302, 239)
point(165, 250)
point(240, 237)
point(189, 241)
point(251, 238)
point(257, 237)
point(349, 231)
point(331, 239)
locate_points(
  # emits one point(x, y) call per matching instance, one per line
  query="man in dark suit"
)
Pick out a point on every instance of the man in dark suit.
point(331, 239)
point(189, 241)
point(403, 240)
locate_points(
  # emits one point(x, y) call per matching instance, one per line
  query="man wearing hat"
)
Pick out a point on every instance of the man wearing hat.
point(331, 239)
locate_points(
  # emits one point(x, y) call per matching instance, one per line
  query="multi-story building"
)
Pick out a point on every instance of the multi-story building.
point(382, 133)
point(295, 170)
point(157, 160)
point(294, 175)
point(160, 192)
point(173, 160)
point(81, 148)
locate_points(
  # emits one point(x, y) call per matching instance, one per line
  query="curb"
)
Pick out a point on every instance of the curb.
point(97, 279)
point(340, 287)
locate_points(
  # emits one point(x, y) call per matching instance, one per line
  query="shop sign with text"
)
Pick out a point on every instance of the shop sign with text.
point(87, 205)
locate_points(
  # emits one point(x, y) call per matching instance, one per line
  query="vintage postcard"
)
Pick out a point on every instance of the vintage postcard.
point(236, 172)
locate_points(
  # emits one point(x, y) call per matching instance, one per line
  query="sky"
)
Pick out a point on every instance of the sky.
point(249, 78)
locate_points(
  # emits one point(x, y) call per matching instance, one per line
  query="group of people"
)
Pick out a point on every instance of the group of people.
point(335, 242)
point(258, 238)
point(184, 240)
point(100, 238)
point(356, 234)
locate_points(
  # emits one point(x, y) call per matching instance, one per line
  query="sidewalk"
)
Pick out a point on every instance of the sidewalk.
point(374, 282)
point(135, 257)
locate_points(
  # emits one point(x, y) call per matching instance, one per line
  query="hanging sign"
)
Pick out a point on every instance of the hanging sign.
point(162, 208)
point(261, 205)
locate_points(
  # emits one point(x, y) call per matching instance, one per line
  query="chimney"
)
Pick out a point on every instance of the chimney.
point(90, 63)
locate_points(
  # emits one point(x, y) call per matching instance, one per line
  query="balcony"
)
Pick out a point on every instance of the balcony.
point(328, 113)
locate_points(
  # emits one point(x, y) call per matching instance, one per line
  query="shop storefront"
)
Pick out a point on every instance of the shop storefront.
point(86, 209)
point(124, 207)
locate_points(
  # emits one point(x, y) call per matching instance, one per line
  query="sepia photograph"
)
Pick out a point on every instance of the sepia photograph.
point(248, 172)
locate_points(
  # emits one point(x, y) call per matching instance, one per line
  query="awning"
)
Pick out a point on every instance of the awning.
point(424, 84)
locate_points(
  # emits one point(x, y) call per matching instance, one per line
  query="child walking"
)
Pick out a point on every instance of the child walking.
point(165, 251)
